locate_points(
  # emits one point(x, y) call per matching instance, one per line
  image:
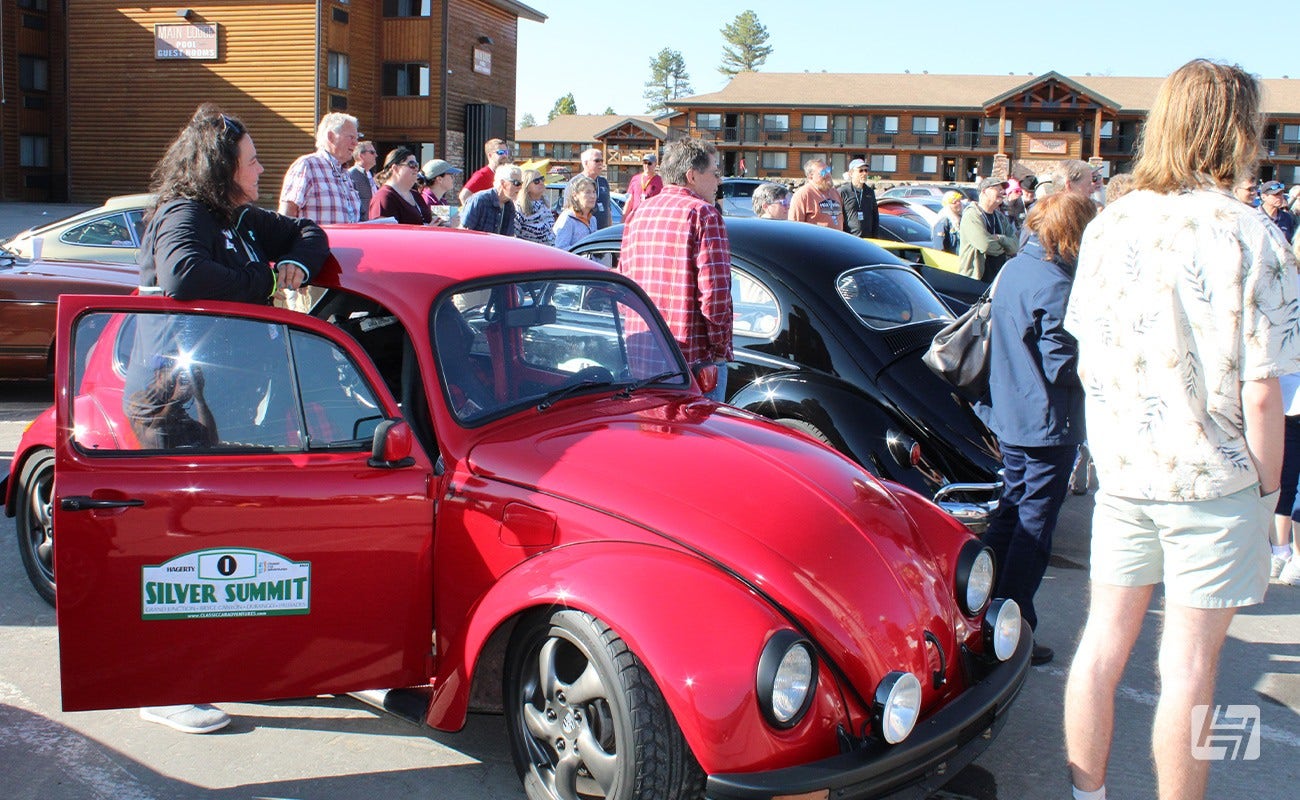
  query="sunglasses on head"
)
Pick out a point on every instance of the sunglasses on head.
point(230, 125)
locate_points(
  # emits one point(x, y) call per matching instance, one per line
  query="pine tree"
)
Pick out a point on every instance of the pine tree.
point(747, 46)
point(565, 105)
point(527, 121)
point(668, 79)
point(610, 110)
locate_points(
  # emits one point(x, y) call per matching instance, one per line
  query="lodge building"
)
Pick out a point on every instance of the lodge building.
point(921, 127)
point(623, 139)
point(92, 91)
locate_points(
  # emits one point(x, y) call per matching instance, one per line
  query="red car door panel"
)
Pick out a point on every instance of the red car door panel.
point(228, 571)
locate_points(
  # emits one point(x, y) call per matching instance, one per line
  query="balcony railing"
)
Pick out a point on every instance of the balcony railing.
point(873, 140)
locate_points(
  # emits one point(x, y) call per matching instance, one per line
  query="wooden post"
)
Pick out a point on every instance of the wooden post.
point(1096, 134)
point(1002, 129)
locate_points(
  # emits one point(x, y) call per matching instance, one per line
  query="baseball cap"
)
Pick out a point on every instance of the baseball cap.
point(435, 167)
point(649, 158)
point(988, 182)
point(1029, 183)
point(948, 197)
point(855, 163)
point(1272, 187)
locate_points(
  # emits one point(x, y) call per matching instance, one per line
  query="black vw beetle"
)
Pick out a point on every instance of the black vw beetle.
point(829, 333)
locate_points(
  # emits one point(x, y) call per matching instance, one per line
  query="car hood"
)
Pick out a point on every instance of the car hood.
point(805, 526)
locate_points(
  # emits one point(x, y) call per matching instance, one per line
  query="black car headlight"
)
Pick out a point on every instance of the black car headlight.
point(787, 677)
point(974, 584)
point(1001, 628)
point(897, 705)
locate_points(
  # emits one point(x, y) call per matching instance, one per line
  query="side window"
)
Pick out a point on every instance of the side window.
point(197, 382)
point(136, 218)
point(109, 231)
point(753, 307)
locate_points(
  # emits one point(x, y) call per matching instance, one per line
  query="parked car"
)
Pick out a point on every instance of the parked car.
point(29, 292)
point(901, 229)
point(931, 191)
point(111, 232)
point(500, 444)
point(923, 210)
point(829, 332)
point(736, 196)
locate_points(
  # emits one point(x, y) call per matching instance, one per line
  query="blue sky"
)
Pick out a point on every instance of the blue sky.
point(1105, 37)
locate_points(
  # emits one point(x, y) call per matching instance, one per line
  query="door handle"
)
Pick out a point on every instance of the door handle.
point(82, 503)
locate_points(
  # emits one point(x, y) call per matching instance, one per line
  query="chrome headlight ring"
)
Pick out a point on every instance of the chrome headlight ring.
point(974, 580)
point(786, 679)
point(1001, 628)
point(897, 706)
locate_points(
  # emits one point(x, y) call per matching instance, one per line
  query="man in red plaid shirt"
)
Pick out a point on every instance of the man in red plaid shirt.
point(676, 248)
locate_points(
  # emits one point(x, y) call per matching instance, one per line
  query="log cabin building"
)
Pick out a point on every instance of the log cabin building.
point(623, 139)
point(945, 128)
point(92, 91)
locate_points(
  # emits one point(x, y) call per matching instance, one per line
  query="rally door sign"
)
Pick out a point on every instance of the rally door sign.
point(222, 531)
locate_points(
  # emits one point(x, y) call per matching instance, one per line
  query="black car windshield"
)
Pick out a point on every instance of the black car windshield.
point(887, 297)
point(520, 344)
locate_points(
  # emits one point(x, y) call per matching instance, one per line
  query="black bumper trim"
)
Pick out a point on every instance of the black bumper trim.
point(939, 748)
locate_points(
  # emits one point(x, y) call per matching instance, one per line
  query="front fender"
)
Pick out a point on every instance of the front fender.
point(39, 434)
point(697, 629)
point(855, 422)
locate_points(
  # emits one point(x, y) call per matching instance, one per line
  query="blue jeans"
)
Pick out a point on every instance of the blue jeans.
point(719, 392)
point(1020, 528)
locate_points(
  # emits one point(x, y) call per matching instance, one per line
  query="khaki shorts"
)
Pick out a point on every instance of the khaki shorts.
point(1208, 553)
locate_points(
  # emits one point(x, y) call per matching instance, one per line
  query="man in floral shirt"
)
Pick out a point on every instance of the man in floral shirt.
point(1185, 309)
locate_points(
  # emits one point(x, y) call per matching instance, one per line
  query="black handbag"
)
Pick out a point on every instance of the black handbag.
point(960, 352)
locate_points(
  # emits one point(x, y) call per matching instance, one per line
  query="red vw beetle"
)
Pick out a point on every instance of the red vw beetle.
point(481, 470)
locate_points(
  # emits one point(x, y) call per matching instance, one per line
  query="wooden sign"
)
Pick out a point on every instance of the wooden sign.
point(1047, 147)
point(482, 61)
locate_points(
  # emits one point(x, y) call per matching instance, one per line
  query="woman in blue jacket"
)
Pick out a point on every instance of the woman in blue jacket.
point(1035, 402)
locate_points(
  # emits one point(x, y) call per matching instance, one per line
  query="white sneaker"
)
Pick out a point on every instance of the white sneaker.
point(1290, 574)
point(201, 718)
point(1276, 563)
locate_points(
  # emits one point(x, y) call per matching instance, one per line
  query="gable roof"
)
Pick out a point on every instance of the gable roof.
point(971, 93)
point(1053, 75)
point(587, 127)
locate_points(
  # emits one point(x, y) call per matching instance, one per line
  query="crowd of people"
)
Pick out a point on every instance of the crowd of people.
point(1193, 423)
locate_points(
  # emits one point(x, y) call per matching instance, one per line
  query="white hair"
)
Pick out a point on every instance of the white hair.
point(507, 172)
point(588, 154)
point(332, 123)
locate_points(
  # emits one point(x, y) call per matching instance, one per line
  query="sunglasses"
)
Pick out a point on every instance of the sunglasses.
point(517, 183)
point(536, 181)
point(825, 171)
point(412, 164)
point(503, 152)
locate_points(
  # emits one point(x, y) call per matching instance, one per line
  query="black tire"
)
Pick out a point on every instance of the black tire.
point(35, 521)
point(807, 428)
point(586, 720)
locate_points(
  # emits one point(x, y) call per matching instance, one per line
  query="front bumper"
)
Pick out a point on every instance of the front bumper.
point(939, 748)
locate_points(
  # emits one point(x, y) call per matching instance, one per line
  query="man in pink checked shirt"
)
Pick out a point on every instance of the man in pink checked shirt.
point(676, 248)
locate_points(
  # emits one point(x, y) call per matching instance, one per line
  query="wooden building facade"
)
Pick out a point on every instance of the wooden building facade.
point(427, 73)
point(944, 128)
point(33, 100)
point(623, 139)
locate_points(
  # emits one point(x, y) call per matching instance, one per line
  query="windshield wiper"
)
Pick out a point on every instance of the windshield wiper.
point(556, 395)
point(644, 382)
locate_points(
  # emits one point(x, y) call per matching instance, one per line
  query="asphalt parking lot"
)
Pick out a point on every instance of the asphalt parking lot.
point(336, 747)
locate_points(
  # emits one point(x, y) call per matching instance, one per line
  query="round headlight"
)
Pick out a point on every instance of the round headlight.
point(787, 675)
point(897, 705)
point(974, 577)
point(1002, 628)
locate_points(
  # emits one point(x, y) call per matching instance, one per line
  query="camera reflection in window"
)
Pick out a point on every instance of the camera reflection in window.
point(160, 412)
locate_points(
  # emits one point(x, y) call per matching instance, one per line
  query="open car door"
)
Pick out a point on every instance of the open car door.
point(241, 514)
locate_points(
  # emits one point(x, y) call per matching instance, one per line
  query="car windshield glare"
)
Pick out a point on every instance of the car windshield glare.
point(516, 345)
point(888, 297)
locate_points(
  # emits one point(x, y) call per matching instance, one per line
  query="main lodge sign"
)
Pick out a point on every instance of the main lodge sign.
point(185, 40)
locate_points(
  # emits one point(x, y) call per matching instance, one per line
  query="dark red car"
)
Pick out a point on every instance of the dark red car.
point(481, 469)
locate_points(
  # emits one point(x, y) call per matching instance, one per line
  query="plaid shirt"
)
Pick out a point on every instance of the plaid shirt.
point(318, 185)
point(676, 248)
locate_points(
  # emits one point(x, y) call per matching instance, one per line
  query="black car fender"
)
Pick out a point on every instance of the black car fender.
point(852, 421)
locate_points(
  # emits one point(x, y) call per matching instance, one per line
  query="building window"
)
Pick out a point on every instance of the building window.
point(1038, 126)
point(925, 125)
point(884, 124)
point(991, 127)
point(337, 77)
point(925, 165)
point(35, 5)
point(34, 22)
point(406, 80)
point(884, 164)
point(340, 16)
point(1291, 133)
point(709, 122)
point(815, 123)
point(33, 74)
point(34, 151)
point(407, 8)
point(775, 160)
point(539, 150)
point(776, 123)
point(1107, 129)
point(338, 102)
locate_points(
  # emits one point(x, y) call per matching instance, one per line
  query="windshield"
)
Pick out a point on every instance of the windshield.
point(904, 229)
point(889, 297)
point(509, 346)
